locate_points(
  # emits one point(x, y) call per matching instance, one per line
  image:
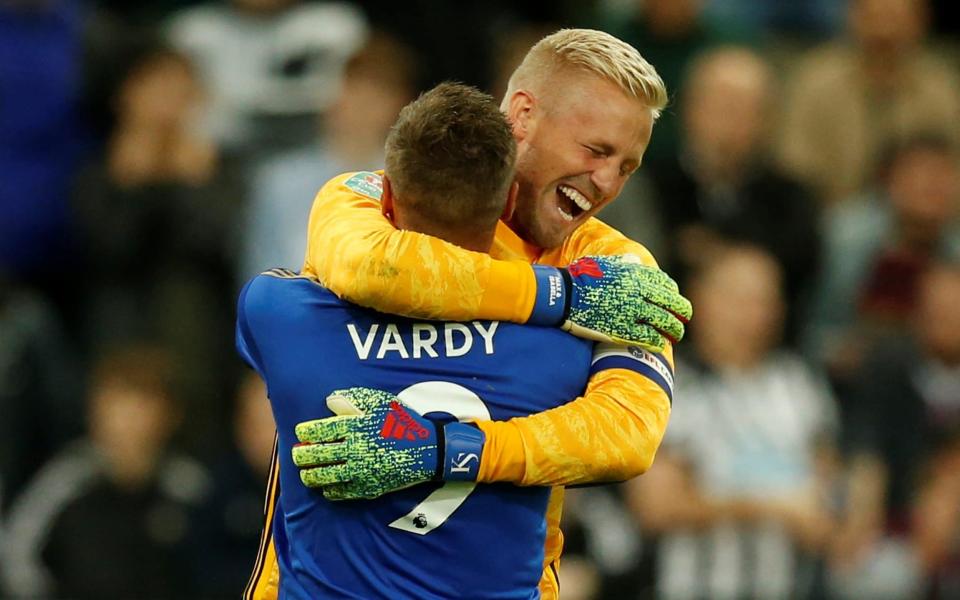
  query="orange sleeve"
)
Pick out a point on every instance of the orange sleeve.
point(611, 433)
point(357, 253)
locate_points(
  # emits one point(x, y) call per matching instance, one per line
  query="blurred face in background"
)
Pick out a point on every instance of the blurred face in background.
point(131, 427)
point(578, 141)
point(377, 82)
point(670, 18)
point(161, 92)
point(367, 104)
point(726, 102)
point(938, 314)
point(739, 307)
point(924, 184)
point(888, 26)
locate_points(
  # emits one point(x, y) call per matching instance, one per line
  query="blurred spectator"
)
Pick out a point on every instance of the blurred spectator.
point(849, 100)
point(601, 545)
point(377, 82)
point(636, 215)
point(459, 40)
point(511, 46)
point(157, 220)
point(270, 65)
point(807, 19)
point(906, 419)
point(226, 527)
point(40, 52)
point(936, 520)
point(737, 491)
point(40, 398)
point(107, 517)
point(669, 34)
point(877, 247)
point(721, 187)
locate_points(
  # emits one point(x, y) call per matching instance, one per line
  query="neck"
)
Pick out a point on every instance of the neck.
point(477, 241)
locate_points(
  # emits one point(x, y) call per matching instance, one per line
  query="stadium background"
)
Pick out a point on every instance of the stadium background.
point(803, 186)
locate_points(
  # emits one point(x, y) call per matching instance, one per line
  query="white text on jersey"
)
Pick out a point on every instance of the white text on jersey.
point(458, 339)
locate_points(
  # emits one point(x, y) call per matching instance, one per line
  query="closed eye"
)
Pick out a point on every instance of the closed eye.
point(597, 152)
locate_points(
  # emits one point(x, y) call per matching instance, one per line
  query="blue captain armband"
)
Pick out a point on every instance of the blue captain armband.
point(652, 365)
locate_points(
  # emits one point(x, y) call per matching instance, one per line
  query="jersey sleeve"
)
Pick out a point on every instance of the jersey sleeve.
point(357, 253)
point(246, 346)
point(612, 432)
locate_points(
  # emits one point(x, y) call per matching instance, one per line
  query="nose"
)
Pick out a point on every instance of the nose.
point(607, 179)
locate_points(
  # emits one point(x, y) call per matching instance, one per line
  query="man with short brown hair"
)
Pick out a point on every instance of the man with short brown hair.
point(426, 158)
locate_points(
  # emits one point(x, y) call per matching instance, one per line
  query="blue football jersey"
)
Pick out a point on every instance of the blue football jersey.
point(452, 540)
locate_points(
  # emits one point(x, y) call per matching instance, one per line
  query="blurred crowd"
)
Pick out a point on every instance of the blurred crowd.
point(803, 186)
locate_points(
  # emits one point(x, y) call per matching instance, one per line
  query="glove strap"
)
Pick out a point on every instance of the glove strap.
point(463, 449)
point(553, 297)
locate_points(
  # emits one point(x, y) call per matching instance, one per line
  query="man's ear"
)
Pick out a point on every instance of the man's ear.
point(521, 112)
point(386, 199)
point(511, 204)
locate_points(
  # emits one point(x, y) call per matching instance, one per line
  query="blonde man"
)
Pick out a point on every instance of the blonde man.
point(582, 105)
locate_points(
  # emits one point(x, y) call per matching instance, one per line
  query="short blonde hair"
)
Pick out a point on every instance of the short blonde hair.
point(598, 53)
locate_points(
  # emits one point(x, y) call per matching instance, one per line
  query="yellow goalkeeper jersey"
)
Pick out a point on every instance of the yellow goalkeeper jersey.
point(611, 433)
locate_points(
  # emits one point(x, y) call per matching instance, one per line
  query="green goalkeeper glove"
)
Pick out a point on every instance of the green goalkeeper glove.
point(612, 299)
point(376, 444)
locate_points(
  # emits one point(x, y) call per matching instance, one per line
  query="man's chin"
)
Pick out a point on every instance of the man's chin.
point(541, 228)
point(549, 235)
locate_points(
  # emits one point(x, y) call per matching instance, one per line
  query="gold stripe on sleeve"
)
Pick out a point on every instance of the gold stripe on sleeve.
point(263, 583)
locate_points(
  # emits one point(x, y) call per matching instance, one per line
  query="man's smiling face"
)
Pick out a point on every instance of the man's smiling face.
point(578, 141)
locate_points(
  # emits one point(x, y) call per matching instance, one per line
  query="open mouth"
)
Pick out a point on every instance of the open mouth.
point(571, 203)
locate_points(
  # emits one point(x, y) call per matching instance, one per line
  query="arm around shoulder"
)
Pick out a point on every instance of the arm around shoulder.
point(611, 433)
point(358, 254)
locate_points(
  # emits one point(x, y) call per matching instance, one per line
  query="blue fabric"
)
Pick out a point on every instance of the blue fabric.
point(39, 87)
point(307, 343)
point(551, 298)
point(622, 362)
point(463, 449)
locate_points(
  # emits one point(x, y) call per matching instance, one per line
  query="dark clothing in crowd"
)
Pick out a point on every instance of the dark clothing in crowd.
point(74, 533)
point(906, 408)
point(158, 266)
point(226, 528)
point(134, 533)
point(40, 396)
point(768, 210)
